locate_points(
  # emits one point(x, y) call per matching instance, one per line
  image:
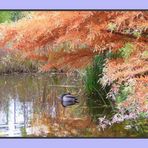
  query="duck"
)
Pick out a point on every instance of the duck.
point(67, 99)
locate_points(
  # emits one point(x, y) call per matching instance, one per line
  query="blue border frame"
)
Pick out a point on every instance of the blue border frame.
point(73, 143)
point(75, 4)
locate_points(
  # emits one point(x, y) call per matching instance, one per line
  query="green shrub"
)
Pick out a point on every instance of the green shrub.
point(97, 101)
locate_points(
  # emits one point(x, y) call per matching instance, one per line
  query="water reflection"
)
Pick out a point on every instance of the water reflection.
point(17, 116)
point(29, 106)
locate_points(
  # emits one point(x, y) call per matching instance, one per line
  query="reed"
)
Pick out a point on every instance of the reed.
point(97, 94)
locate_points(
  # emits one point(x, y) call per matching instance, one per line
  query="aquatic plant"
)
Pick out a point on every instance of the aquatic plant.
point(98, 102)
point(93, 74)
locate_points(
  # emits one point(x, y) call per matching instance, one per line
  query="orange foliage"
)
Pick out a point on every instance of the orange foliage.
point(46, 30)
point(139, 99)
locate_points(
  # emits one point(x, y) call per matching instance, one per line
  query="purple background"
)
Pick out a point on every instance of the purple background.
point(74, 143)
point(74, 4)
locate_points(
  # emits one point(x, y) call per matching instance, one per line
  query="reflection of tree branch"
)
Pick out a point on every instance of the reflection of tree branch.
point(44, 93)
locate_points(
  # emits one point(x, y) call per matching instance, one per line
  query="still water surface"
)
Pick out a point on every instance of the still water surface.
point(29, 106)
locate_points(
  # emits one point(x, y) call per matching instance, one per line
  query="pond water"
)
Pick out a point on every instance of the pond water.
point(29, 107)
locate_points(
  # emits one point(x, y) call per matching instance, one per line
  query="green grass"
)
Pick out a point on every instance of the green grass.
point(93, 74)
point(97, 101)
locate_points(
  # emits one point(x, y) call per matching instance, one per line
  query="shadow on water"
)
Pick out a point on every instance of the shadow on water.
point(97, 110)
point(29, 106)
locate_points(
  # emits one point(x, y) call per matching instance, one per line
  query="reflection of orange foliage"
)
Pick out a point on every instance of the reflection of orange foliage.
point(45, 125)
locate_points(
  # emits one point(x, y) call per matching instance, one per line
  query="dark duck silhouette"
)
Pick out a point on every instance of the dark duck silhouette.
point(67, 99)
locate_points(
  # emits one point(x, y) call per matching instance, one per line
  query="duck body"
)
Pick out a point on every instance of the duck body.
point(68, 100)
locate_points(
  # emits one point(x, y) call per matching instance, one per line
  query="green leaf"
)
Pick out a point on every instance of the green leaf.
point(127, 50)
